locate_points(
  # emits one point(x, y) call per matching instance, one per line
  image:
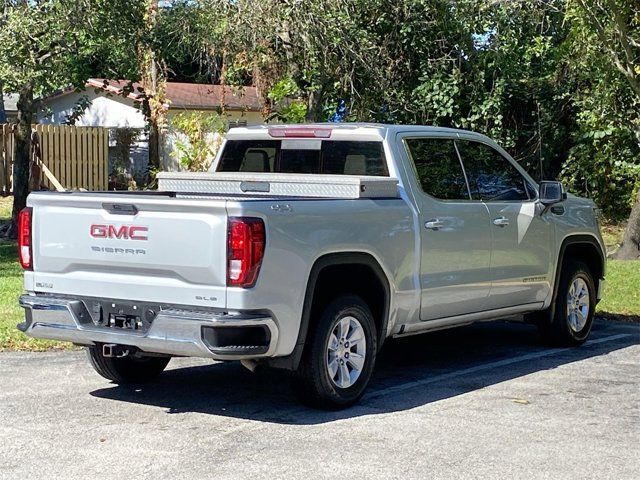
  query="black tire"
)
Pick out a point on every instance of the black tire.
point(314, 384)
point(555, 327)
point(129, 369)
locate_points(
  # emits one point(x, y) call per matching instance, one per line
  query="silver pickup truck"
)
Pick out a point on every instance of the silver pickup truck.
point(304, 248)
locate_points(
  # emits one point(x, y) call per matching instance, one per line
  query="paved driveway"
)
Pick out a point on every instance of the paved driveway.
point(485, 401)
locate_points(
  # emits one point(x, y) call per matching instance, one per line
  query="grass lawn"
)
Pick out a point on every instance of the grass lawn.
point(621, 299)
point(612, 235)
point(5, 208)
point(10, 313)
point(621, 295)
point(10, 288)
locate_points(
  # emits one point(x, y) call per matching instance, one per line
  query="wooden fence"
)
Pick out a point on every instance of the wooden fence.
point(6, 157)
point(76, 157)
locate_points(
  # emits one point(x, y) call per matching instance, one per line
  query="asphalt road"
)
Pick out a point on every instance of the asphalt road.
point(485, 401)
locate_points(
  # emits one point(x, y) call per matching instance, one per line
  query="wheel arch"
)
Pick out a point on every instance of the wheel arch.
point(585, 248)
point(323, 267)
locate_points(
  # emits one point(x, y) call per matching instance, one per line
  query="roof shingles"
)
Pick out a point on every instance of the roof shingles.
point(192, 96)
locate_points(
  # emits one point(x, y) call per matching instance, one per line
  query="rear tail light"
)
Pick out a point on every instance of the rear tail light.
point(25, 251)
point(245, 249)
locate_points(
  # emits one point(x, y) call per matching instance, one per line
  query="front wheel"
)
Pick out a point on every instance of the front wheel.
point(339, 356)
point(129, 369)
point(575, 307)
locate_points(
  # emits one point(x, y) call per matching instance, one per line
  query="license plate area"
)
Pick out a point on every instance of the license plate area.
point(126, 322)
point(131, 316)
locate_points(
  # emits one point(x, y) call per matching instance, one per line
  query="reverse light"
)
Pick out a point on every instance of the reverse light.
point(299, 132)
point(245, 249)
point(25, 252)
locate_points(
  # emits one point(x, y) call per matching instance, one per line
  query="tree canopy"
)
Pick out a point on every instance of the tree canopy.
point(556, 82)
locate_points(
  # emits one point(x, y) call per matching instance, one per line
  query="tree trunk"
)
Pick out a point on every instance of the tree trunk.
point(3, 113)
point(153, 79)
point(310, 117)
point(154, 145)
point(151, 86)
point(314, 106)
point(630, 248)
point(22, 159)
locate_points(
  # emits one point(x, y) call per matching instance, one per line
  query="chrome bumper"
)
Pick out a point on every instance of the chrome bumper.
point(173, 331)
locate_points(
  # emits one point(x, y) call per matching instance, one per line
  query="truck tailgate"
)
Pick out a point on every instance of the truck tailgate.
point(157, 248)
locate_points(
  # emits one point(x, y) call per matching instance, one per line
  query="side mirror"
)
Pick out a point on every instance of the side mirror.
point(551, 193)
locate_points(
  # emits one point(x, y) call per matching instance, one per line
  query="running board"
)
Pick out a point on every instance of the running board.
point(467, 319)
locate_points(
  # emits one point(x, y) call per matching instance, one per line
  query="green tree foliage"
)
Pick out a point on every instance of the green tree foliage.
point(199, 135)
point(54, 44)
point(554, 81)
point(286, 94)
point(496, 67)
point(606, 40)
point(605, 160)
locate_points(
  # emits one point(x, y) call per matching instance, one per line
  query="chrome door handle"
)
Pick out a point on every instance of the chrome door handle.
point(501, 221)
point(434, 224)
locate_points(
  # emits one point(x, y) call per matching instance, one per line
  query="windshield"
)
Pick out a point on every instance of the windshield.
point(304, 156)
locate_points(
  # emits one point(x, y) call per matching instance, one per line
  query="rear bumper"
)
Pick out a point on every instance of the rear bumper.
point(174, 332)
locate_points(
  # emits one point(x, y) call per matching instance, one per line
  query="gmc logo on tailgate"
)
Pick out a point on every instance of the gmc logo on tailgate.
point(124, 232)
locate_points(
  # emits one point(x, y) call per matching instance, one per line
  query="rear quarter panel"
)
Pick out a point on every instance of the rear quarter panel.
point(297, 236)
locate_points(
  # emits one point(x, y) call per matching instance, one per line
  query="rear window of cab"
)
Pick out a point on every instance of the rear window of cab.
point(333, 157)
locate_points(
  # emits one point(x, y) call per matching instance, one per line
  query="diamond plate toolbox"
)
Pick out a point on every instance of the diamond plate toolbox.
point(279, 184)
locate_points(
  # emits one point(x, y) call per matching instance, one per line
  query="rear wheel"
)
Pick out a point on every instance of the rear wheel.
point(339, 356)
point(572, 318)
point(129, 369)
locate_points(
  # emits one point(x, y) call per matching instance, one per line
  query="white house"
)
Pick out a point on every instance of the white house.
point(10, 101)
point(103, 104)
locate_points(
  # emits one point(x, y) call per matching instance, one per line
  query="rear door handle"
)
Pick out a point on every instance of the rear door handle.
point(501, 221)
point(434, 224)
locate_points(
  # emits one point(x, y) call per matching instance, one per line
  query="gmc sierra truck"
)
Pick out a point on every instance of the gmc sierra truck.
point(304, 248)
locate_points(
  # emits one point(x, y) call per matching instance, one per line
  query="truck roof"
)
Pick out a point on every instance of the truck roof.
point(342, 130)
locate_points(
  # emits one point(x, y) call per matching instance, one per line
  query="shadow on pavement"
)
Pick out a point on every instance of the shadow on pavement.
point(410, 372)
point(619, 317)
